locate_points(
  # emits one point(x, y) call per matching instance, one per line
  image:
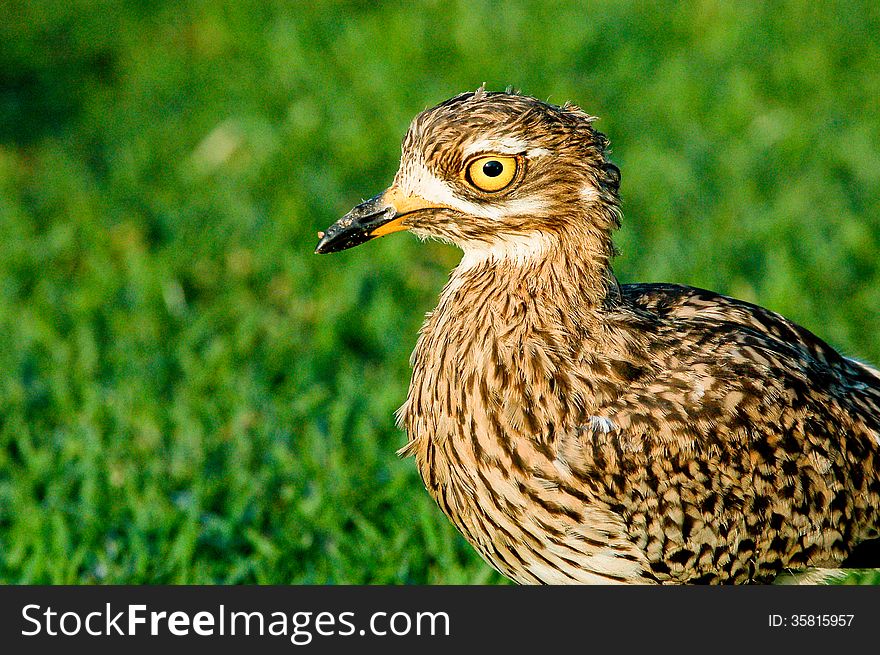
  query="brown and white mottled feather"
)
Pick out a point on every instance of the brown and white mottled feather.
point(579, 430)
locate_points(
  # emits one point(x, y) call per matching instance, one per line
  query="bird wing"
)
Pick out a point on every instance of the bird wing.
point(748, 447)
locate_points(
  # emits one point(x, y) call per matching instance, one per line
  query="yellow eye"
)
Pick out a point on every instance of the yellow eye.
point(491, 172)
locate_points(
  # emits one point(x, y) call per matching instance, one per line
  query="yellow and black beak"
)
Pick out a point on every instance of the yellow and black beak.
point(376, 217)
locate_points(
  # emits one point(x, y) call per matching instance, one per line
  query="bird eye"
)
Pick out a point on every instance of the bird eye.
point(491, 172)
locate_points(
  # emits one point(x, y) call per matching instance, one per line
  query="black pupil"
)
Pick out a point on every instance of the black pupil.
point(492, 168)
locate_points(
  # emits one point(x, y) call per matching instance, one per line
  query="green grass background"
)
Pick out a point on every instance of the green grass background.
point(189, 395)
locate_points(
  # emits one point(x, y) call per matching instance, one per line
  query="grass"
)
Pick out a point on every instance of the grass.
point(190, 396)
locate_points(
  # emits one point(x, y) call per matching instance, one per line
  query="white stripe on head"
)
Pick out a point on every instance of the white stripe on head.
point(503, 146)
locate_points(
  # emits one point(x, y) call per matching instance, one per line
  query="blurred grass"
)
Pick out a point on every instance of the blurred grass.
point(189, 395)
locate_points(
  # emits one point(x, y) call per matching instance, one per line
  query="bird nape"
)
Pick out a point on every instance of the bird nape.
point(579, 430)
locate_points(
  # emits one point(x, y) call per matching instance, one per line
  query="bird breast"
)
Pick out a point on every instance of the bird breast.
point(490, 393)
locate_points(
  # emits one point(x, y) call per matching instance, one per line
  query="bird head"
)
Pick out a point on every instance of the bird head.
point(495, 173)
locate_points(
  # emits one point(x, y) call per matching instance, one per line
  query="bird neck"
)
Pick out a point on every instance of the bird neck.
point(573, 276)
point(502, 334)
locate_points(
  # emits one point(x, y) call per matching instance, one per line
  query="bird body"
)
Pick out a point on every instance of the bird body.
point(576, 430)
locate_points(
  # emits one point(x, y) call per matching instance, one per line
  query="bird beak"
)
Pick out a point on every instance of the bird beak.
point(376, 217)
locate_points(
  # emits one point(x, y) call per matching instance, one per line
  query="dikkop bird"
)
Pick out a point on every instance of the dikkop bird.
point(575, 429)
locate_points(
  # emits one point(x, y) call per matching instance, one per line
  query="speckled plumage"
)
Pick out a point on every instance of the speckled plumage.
point(579, 430)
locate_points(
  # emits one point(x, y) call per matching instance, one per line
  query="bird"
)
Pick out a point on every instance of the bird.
point(577, 430)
